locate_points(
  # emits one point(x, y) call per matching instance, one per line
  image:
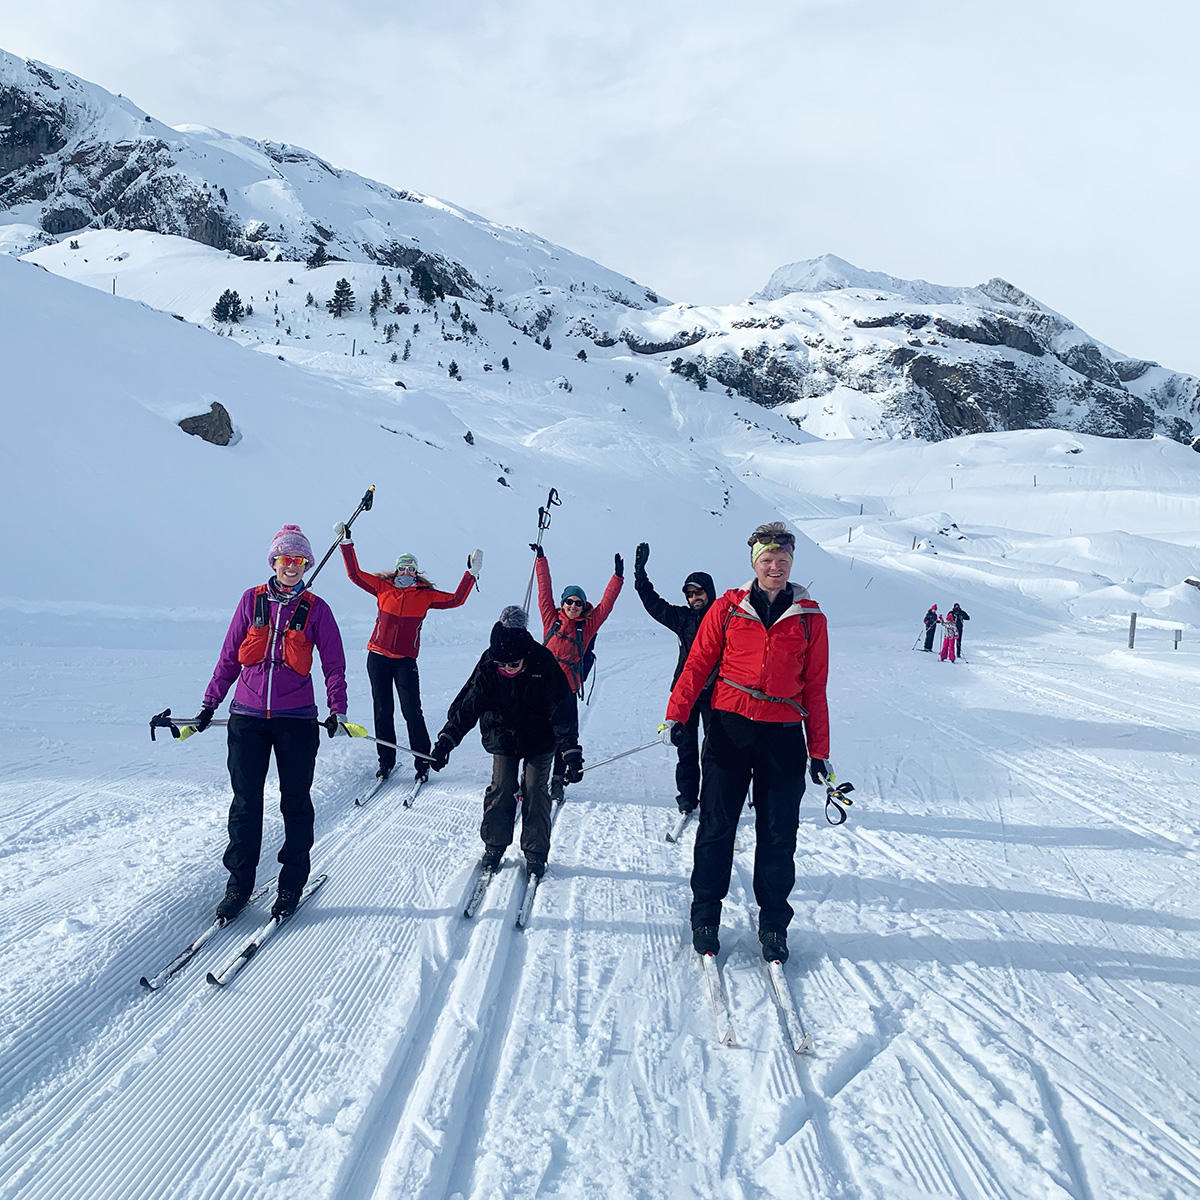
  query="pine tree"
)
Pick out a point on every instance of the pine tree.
point(582, 356)
point(425, 284)
point(385, 292)
point(318, 258)
point(504, 364)
point(343, 299)
point(228, 308)
point(407, 349)
point(453, 370)
point(546, 343)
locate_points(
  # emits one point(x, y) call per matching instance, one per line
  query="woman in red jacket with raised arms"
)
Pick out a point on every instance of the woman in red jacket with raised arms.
point(569, 629)
point(767, 644)
point(404, 596)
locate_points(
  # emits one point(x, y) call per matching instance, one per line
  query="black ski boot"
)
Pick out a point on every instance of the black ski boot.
point(491, 858)
point(422, 773)
point(236, 898)
point(285, 905)
point(383, 772)
point(536, 867)
point(557, 788)
point(774, 945)
point(705, 939)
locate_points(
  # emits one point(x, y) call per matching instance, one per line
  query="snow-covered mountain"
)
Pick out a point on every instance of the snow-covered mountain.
point(840, 351)
point(73, 156)
point(852, 353)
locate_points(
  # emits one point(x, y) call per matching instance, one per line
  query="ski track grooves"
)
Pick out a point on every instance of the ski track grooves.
point(402, 1148)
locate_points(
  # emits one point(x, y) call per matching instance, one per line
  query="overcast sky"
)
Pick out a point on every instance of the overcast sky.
point(698, 146)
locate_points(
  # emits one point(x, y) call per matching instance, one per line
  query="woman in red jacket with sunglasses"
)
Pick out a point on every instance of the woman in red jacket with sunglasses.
point(404, 597)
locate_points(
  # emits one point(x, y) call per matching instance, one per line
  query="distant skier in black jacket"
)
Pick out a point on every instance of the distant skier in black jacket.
point(931, 624)
point(683, 621)
point(523, 704)
point(962, 616)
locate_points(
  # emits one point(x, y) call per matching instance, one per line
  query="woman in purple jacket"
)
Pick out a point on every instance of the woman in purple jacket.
point(268, 652)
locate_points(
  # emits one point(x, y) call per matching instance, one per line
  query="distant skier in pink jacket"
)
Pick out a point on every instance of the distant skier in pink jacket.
point(949, 636)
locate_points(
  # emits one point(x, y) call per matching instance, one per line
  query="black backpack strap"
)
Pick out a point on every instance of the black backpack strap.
point(300, 616)
point(261, 610)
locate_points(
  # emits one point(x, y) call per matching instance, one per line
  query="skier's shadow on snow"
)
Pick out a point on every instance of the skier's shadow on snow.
point(964, 897)
point(1050, 958)
point(1074, 734)
point(1017, 835)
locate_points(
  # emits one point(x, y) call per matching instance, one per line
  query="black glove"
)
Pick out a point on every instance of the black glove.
point(678, 733)
point(618, 566)
point(440, 754)
point(537, 549)
point(206, 715)
point(572, 765)
point(818, 770)
point(641, 556)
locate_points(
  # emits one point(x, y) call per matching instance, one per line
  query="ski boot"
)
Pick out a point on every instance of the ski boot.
point(491, 858)
point(774, 945)
point(383, 772)
point(536, 867)
point(557, 788)
point(705, 939)
point(285, 905)
point(236, 898)
point(422, 774)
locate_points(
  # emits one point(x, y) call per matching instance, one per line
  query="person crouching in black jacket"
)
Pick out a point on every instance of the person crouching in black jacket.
point(683, 621)
point(521, 699)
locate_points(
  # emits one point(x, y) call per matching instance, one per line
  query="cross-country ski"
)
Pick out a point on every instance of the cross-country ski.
point(800, 1038)
point(185, 956)
point(258, 940)
point(714, 985)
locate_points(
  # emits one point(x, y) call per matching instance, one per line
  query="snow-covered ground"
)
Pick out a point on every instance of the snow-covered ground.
point(996, 955)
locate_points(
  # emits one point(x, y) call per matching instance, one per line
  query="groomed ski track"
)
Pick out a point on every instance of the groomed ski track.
point(996, 956)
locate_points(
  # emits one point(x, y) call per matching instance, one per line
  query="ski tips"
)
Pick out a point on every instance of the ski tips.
point(806, 1045)
point(150, 987)
point(214, 980)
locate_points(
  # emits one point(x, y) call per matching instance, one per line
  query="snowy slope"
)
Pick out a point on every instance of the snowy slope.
point(996, 956)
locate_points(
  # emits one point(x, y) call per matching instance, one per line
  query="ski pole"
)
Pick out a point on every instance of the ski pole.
point(358, 732)
point(552, 501)
point(364, 505)
point(623, 754)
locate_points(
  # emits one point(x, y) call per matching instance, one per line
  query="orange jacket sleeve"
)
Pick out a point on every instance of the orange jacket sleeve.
point(599, 614)
point(368, 583)
point(455, 598)
point(546, 605)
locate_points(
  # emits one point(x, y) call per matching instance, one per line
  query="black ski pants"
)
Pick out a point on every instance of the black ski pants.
point(930, 630)
point(771, 757)
point(400, 673)
point(500, 804)
point(251, 740)
point(687, 770)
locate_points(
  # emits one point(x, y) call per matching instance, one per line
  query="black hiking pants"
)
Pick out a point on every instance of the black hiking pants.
point(400, 673)
point(771, 757)
point(251, 740)
point(500, 804)
point(930, 630)
point(687, 770)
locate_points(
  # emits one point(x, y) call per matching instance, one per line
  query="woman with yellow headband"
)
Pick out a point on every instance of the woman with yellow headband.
point(767, 644)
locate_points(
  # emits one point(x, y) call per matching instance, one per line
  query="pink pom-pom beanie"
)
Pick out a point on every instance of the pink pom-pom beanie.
point(289, 540)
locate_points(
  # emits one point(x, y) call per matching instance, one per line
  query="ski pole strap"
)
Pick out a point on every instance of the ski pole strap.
point(761, 695)
point(835, 797)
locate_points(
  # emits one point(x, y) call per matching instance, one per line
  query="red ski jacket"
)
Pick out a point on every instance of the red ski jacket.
point(397, 632)
point(565, 642)
point(775, 674)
